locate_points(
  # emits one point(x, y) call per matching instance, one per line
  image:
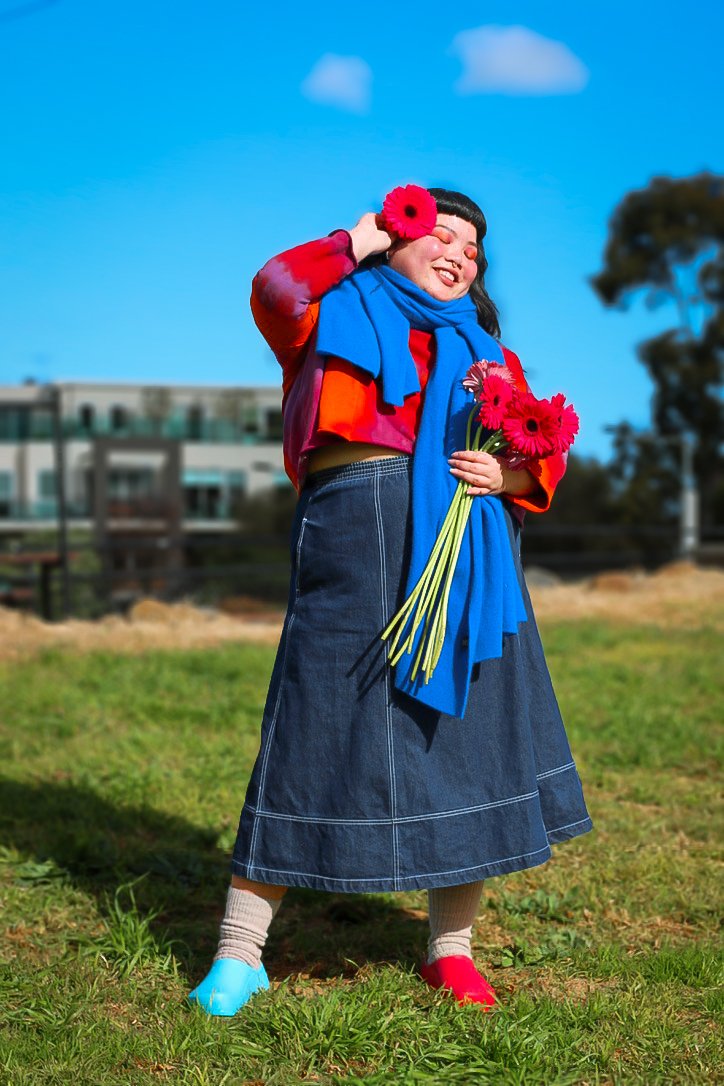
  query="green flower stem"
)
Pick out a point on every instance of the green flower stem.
point(424, 638)
point(445, 573)
point(403, 614)
point(424, 581)
point(428, 601)
point(428, 585)
point(462, 523)
point(495, 443)
point(432, 609)
point(426, 613)
point(429, 595)
point(441, 627)
point(428, 598)
point(437, 636)
point(469, 426)
point(401, 617)
point(439, 616)
point(407, 644)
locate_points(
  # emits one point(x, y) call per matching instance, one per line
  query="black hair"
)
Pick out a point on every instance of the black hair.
point(450, 202)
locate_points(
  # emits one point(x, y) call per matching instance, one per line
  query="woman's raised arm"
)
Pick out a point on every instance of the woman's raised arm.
point(285, 294)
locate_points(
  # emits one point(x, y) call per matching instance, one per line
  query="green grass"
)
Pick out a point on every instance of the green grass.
point(121, 780)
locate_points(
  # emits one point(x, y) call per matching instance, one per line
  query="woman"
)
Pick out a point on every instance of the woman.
point(364, 784)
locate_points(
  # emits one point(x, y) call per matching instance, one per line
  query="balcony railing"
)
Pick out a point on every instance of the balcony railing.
point(45, 509)
point(211, 431)
point(29, 512)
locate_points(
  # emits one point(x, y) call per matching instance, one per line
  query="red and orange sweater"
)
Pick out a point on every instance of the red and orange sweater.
point(285, 302)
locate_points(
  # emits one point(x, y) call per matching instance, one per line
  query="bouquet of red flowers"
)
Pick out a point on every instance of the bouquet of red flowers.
point(520, 429)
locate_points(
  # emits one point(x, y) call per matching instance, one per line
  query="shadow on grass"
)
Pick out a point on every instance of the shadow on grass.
point(76, 835)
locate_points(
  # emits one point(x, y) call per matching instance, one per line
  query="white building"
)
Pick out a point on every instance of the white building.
point(229, 442)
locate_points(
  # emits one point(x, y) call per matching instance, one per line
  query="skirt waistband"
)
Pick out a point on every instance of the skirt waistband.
point(386, 465)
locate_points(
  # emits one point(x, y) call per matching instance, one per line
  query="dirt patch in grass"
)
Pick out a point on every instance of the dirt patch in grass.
point(679, 595)
point(547, 982)
point(154, 1067)
point(305, 984)
point(635, 933)
point(20, 938)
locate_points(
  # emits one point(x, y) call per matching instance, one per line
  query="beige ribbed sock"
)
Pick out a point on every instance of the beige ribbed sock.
point(452, 912)
point(245, 925)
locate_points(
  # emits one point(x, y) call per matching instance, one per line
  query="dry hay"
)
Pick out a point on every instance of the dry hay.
point(149, 625)
point(677, 595)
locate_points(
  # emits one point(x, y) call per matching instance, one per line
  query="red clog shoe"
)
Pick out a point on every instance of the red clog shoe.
point(459, 975)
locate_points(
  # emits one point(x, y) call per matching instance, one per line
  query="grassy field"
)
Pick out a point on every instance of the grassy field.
point(121, 782)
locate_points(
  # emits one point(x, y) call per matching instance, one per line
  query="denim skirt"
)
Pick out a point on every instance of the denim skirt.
point(358, 787)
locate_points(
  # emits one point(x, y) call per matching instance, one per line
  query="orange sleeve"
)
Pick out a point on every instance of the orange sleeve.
point(549, 471)
point(348, 399)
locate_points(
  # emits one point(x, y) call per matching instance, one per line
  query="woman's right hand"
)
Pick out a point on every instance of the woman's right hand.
point(368, 237)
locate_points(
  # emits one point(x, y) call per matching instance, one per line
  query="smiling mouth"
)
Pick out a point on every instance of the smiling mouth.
point(448, 277)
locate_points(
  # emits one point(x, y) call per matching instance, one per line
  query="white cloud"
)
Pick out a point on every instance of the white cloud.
point(345, 82)
point(516, 60)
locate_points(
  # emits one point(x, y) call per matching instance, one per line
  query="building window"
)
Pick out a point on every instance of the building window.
point(86, 416)
point(6, 493)
point(126, 484)
point(203, 493)
point(250, 419)
point(47, 485)
point(14, 424)
point(195, 422)
point(236, 480)
point(274, 426)
point(236, 490)
point(119, 418)
point(47, 505)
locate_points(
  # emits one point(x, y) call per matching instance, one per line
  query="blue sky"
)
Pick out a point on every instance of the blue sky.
point(156, 153)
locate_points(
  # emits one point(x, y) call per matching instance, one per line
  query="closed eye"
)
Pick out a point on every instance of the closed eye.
point(470, 252)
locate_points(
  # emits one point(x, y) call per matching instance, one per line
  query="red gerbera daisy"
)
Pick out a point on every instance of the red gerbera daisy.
point(530, 426)
point(409, 211)
point(494, 399)
point(566, 423)
point(474, 379)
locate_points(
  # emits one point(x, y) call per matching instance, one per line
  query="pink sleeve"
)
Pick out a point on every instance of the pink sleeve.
point(285, 295)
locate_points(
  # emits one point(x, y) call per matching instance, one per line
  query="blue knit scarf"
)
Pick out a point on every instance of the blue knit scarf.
point(366, 320)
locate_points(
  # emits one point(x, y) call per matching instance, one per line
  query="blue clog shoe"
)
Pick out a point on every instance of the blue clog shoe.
point(227, 986)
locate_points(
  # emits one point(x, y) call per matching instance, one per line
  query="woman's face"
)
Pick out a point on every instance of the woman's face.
point(441, 263)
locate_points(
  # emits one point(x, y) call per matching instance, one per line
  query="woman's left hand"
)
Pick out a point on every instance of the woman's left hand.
point(486, 475)
point(480, 469)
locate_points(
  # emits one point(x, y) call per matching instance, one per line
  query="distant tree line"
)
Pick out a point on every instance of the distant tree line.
point(666, 242)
